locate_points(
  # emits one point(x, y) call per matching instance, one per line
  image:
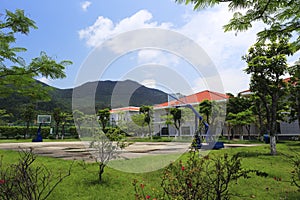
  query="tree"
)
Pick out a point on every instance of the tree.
point(235, 106)
point(28, 179)
point(168, 119)
point(280, 17)
point(15, 75)
point(27, 114)
point(65, 118)
point(104, 115)
point(176, 114)
point(294, 86)
point(78, 117)
point(147, 111)
point(138, 124)
point(267, 64)
point(205, 107)
point(58, 119)
point(240, 120)
point(4, 116)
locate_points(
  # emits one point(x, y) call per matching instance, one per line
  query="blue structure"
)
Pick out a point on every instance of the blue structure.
point(38, 137)
point(212, 144)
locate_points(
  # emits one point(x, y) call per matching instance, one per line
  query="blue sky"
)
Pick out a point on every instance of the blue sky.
point(71, 29)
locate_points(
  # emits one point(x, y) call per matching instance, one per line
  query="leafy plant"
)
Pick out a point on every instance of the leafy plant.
point(24, 180)
point(199, 178)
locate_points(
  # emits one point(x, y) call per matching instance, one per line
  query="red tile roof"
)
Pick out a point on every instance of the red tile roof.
point(247, 92)
point(195, 98)
point(129, 108)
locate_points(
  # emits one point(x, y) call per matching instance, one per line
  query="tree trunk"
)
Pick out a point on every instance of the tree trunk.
point(150, 132)
point(56, 131)
point(27, 129)
point(273, 144)
point(101, 171)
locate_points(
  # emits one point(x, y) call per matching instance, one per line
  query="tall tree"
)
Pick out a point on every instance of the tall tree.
point(78, 117)
point(294, 86)
point(280, 17)
point(15, 75)
point(205, 107)
point(147, 111)
point(267, 64)
point(27, 114)
point(104, 115)
point(176, 114)
point(58, 119)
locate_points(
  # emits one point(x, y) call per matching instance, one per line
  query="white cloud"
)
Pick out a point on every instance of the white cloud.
point(158, 57)
point(204, 27)
point(85, 5)
point(151, 83)
point(105, 28)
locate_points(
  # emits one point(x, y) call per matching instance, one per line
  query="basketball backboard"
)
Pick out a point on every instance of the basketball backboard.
point(45, 119)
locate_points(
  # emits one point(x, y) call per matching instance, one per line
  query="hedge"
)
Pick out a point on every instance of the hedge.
point(17, 132)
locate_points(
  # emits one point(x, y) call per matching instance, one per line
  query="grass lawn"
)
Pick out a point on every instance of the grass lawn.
point(82, 184)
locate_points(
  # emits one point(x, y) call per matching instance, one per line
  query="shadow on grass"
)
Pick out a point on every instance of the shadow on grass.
point(106, 182)
point(294, 144)
point(246, 154)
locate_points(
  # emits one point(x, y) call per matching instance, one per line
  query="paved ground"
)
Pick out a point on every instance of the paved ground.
point(81, 150)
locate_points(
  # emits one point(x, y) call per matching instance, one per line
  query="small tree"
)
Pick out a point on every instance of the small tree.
point(176, 114)
point(205, 107)
point(27, 114)
point(78, 117)
point(147, 111)
point(58, 119)
point(26, 180)
point(106, 148)
point(240, 120)
point(138, 124)
point(104, 115)
point(65, 119)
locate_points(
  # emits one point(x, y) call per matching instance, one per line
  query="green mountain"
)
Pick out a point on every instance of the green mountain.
point(104, 93)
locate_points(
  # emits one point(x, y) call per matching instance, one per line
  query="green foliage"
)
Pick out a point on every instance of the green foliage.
point(241, 119)
point(280, 17)
point(10, 132)
point(267, 64)
point(294, 89)
point(15, 74)
point(57, 118)
point(147, 112)
point(296, 171)
point(104, 118)
point(27, 114)
point(199, 178)
point(118, 184)
point(176, 114)
point(23, 180)
point(4, 117)
point(205, 107)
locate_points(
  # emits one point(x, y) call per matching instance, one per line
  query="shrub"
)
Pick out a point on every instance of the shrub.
point(13, 131)
point(199, 178)
point(25, 181)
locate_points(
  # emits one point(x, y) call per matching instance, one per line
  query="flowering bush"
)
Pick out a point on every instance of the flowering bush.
point(199, 178)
